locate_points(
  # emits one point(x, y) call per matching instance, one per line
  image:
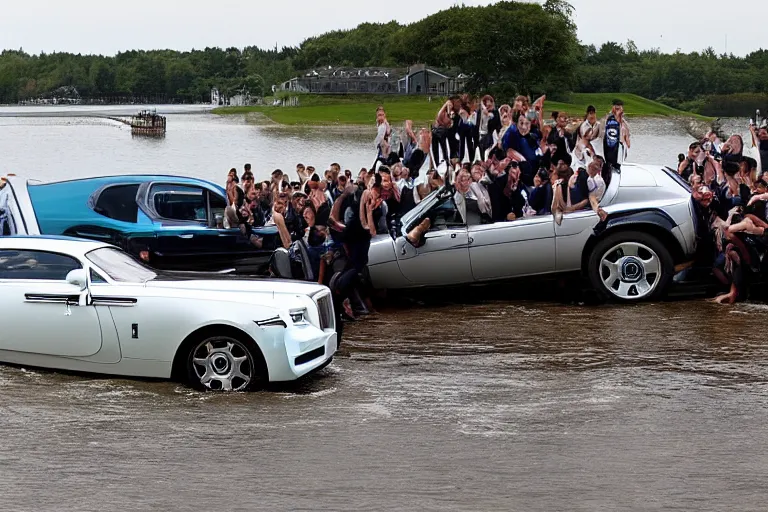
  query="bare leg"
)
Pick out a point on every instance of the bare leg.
point(558, 203)
point(425, 140)
point(416, 235)
point(757, 221)
point(746, 226)
point(727, 298)
point(409, 131)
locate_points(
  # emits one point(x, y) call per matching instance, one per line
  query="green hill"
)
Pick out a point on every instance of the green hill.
point(316, 110)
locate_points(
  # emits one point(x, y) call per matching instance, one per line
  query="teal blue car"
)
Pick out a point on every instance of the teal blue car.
point(170, 222)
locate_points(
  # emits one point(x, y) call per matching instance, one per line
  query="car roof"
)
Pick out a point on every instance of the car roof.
point(67, 245)
point(129, 178)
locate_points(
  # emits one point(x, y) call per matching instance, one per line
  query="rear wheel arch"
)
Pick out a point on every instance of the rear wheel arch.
point(656, 229)
point(178, 368)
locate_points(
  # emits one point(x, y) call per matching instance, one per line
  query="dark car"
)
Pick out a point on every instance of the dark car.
point(175, 222)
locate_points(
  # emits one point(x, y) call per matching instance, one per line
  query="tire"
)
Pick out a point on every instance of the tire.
point(630, 266)
point(224, 363)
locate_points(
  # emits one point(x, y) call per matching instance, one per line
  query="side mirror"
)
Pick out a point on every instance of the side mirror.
point(78, 278)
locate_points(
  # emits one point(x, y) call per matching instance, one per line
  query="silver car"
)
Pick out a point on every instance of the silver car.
point(630, 257)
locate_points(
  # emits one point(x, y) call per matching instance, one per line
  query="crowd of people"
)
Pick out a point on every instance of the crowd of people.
point(330, 218)
point(730, 191)
point(505, 163)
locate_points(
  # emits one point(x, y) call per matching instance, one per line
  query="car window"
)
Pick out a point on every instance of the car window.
point(96, 278)
point(218, 205)
point(120, 266)
point(118, 202)
point(21, 264)
point(446, 215)
point(179, 202)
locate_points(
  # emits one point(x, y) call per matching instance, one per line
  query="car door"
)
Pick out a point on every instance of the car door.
point(40, 311)
point(513, 249)
point(234, 248)
point(186, 237)
point(443, 259)
point(572, 236)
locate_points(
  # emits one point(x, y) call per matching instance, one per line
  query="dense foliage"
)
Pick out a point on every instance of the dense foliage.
point(508, 47)
point(696, 81)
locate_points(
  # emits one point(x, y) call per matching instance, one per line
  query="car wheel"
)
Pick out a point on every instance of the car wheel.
point(222, 363)
point(630, 266)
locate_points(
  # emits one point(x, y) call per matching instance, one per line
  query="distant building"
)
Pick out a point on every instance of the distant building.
point(293, 85)
point(421, 79)
point(345, 80)
point(418, 79)
point(239, 100)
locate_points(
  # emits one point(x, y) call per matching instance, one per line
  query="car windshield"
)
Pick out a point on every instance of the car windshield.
point(120, 266)
point(430, 199)
point(679, 179)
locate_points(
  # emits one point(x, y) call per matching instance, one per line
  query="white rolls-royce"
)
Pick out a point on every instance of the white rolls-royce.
point(86, 306)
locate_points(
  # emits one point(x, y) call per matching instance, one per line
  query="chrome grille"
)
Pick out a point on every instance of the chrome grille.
point(325, 311)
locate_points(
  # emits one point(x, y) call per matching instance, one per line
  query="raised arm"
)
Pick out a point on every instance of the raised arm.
point(336, 209)
point(381, 134)
point(596, 207)
point(364, 209)
point(538, 107)
point(285, 236)
point(720, 176)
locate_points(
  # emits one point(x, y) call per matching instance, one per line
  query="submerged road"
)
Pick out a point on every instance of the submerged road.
point(489, 406)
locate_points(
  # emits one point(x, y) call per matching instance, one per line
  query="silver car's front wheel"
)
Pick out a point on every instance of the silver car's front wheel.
point(630, 266)
point(222, 364)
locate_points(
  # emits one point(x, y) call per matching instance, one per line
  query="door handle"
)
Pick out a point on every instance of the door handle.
point(453, 235)
point(470, 241)
point(186, 236)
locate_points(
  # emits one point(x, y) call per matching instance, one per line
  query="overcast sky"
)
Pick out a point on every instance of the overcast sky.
point(96, 26)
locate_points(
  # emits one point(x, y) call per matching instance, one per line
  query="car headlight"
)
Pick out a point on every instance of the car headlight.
point(298, 315)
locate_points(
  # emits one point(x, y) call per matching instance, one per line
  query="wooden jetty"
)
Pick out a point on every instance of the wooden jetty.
point(148, 123)
point(145, 123)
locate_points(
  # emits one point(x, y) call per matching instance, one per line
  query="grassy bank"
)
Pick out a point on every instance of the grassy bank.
point(320, 110)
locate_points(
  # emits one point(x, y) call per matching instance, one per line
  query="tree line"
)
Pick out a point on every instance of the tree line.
point(506, 48)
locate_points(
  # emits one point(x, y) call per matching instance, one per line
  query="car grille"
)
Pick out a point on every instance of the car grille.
point(325, 311)
point(309, 356)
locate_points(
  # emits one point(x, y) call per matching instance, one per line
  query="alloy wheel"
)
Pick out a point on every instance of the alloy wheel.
point(630, 270)
point(223, 364)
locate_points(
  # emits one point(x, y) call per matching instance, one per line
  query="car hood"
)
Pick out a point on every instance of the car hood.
point(232, 283)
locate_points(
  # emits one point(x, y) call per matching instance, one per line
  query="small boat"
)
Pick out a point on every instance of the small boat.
point(148, 123)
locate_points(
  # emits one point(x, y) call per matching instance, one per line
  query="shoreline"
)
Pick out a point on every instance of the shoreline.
point(358, 110)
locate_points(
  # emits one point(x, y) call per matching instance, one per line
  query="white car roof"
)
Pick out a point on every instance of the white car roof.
point(72, 246)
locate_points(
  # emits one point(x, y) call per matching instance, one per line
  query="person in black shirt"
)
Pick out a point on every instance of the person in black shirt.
point(693, 163)
point(250, 216)
point(294, 216)
point(235, 196)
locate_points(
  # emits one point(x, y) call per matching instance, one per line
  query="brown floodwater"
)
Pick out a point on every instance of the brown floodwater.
point(487, 406)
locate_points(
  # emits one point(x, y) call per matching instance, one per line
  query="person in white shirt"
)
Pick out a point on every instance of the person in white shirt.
point(596, 186)
point(383, 130)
